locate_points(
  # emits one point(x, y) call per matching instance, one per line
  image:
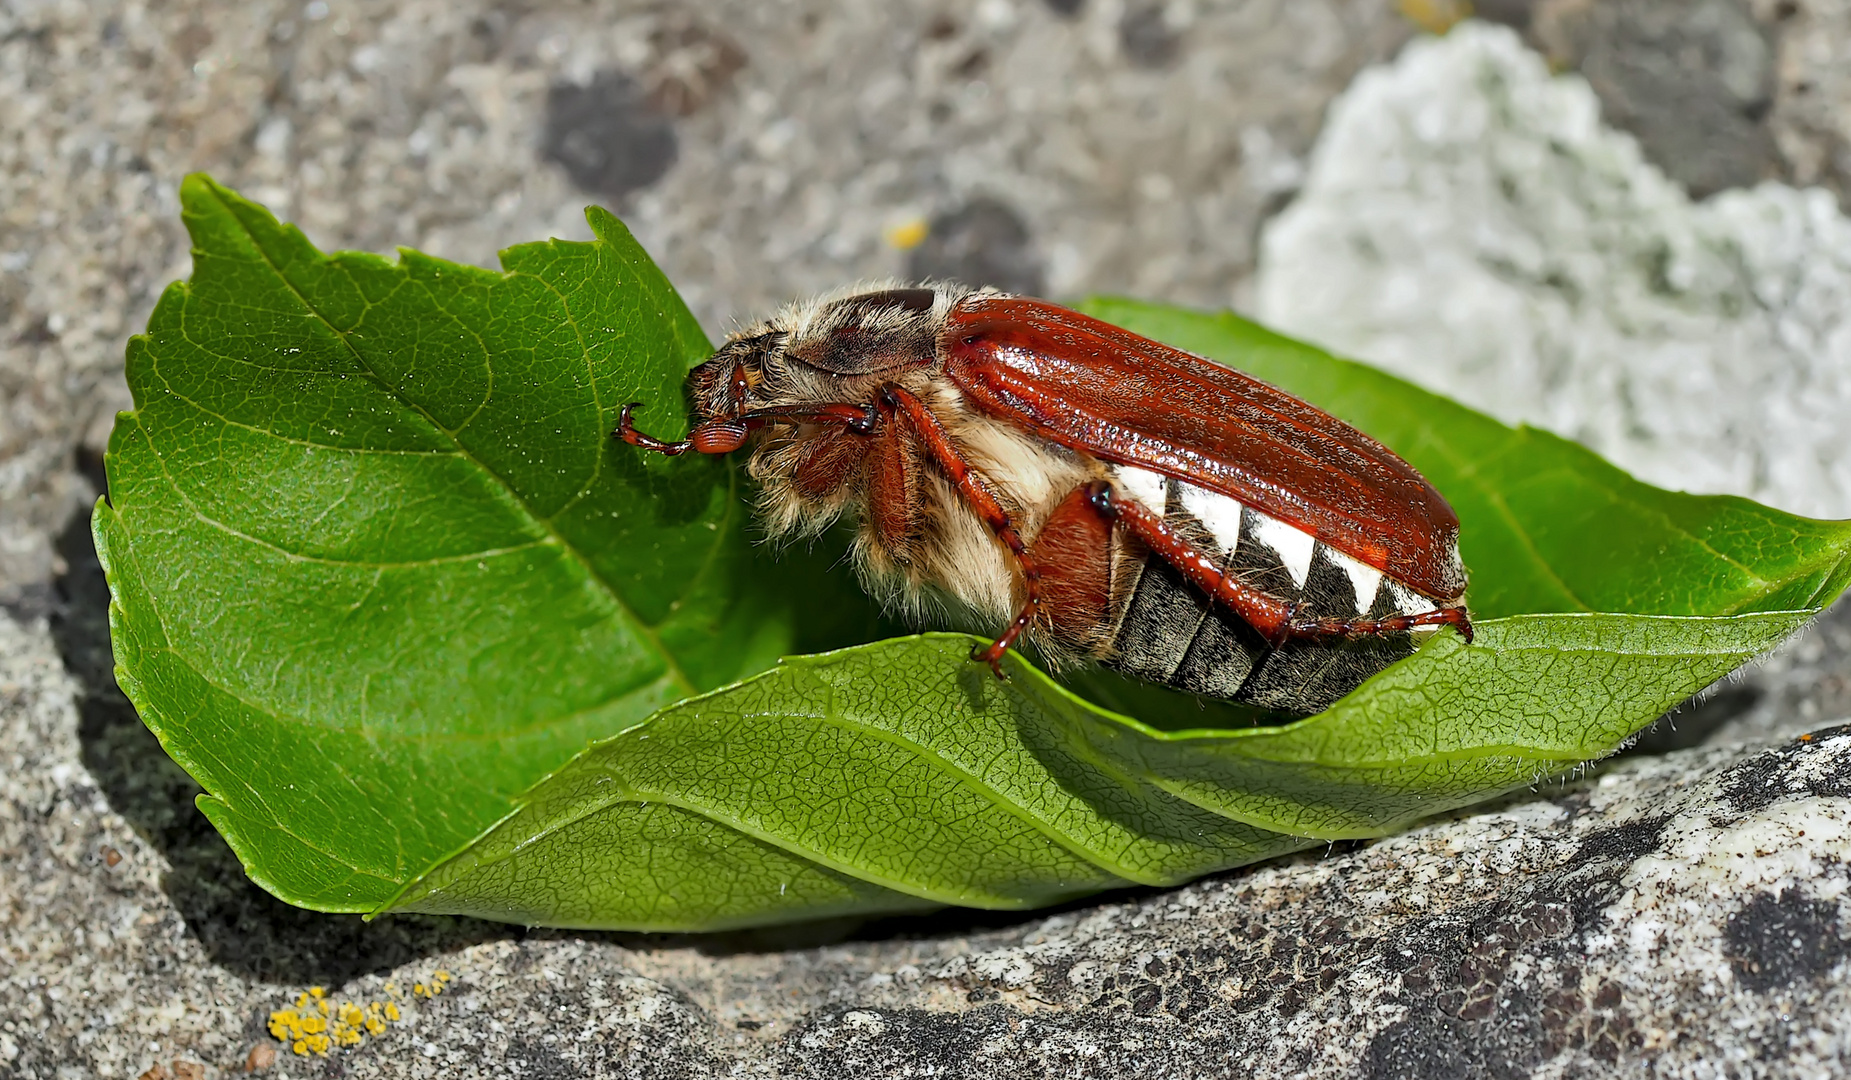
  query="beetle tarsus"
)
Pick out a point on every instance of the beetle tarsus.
point(1394, 624)
point(626, 430)
point(992, 654)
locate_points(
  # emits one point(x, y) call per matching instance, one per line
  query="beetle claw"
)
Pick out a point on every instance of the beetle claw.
point(993, 656)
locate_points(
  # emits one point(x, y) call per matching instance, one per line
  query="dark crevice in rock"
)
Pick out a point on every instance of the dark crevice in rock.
point(1623, 842)
point(1432, 1044)
point(1780, 940)
point(609, 136)
point(1145, 36)
point(1692, 80)
point(1756, 784)
point(964, 922)
point(1753, 785)
point(1515, 13)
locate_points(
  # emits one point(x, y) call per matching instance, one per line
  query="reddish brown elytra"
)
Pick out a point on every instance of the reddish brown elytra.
point(1112, 498)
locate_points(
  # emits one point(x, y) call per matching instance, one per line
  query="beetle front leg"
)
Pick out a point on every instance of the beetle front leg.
point(977, 495)
point(723, 435)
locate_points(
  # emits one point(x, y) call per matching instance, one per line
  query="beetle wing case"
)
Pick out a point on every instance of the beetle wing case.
point(1113, 498)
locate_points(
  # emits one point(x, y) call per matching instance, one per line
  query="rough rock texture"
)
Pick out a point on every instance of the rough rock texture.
point(1470, 224)
point(1677, 914)
point(1719, 92)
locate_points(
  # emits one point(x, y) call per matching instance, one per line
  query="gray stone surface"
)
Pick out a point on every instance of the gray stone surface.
point(1676, 914)
point(1468, 222)
point(1721, 93)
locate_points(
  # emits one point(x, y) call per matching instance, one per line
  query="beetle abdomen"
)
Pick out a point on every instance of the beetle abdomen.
point(1170, 632)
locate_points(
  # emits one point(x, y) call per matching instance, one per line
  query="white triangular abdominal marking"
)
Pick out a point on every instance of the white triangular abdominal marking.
point(1366, 579)
point(1143, 485)
point(1294, 546)
point(1218, 513)
point(1409, 602)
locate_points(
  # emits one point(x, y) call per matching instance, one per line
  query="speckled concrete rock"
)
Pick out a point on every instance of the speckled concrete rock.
point(1470, 222)
point(760, 151)
point(1720, 93)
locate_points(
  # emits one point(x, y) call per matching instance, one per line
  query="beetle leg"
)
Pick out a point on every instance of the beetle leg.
point(726, 434)
point(938, 444)
point(1446, 616)
point(1276, 620)
point(1073, 548)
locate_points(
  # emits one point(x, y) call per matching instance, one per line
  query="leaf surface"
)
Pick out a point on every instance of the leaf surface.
point(900, 764)
point(379, 574)
point(377, 565)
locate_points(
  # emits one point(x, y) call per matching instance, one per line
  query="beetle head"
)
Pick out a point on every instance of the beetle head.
point(829, 349)
point(732, 380)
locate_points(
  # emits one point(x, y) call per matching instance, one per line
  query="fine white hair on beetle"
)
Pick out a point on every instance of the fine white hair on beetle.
point(1409, 602)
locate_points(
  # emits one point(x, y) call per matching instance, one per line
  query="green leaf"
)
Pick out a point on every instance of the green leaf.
point(377, 565)
point(377, 568)
point(902, 765)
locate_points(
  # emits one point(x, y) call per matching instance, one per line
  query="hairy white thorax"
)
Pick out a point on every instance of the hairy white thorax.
point(964, 558)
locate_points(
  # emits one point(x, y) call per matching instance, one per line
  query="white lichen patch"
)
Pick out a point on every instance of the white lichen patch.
point(1673, 919)
point(1470, 224)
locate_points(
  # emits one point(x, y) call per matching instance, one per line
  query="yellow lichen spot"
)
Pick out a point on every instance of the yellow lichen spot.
point(285, 1025)
point(441, 975)
point(392, 988)
point(1435, 16)
point(333, 1023)
point(907, 235)
point(419, 990)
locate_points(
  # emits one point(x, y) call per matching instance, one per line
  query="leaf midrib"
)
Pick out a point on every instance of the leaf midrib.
point(545, 524)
